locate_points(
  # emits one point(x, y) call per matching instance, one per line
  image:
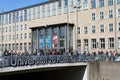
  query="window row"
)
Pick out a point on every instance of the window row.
point(18, 36)
point(13, 28)
point(102, 3)
point(102, 14)
point(19, 46)
point(101, 43)
point(101, 28)
point(49, 9)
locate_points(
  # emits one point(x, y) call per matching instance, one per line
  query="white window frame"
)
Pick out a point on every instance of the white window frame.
point(111, 29)
point(102, 28)
point(111, 43)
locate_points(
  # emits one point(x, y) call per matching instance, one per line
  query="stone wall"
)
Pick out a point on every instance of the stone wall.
point(104, 71)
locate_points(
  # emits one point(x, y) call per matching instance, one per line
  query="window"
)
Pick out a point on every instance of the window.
point(78, 2)
point(101, 3)
point(118, 1)
point(119, 26)
point(65, 6)
point(3, 30)
point(29, 14)
point(110, 13)
point(85, 4)
point(16, 46)
point(17, 16)
point(13, 37)
point(62, 37)
point(93, 29)
point(13, 16)
point(21, 16)
point(20, 36)
point(94, 45)
point(54, 8)
point(101, 15)
point(9, 37)
point(29, 35)
point(86, 45)
point(110, 2)
point(71, 5)
point(93, 16)
point(25, 27)
point(47, 40)
point(17, 28)
point(6, 19)
point(0, 19)
point(38, 12)
point(85, 30)
point(6, 29)
point(25, 15)
point(101, 28)
point(78, 43)
point(25, 36)
point(21, 27)
point(62, 43)
point(119, 42)
point(29, 46)
point(20, 46)
point(111, 27)
point(102, 43)
point(59, 6)
point(6, 37)
point(34, 13)
point(13, 28)
point(9, 18)
point(10, 29)
point(111, 42)
point(93, 3)
point(3, 19)
point(118, 12)
point(48, 9)
point(43, 11)
point(13, 46)
point(78, 30)
point(9, 47)
point(62, 32)
point(25, 46)
point(17, 36)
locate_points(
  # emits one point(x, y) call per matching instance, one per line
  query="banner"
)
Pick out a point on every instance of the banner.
point(54, 41)
point(48, 41)
point(41, 42)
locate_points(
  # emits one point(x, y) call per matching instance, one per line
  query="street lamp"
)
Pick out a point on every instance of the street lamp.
point(77, 7)
point(15, 30)
point(2, 35)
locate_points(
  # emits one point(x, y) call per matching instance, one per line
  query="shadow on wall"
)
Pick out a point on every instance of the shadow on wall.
point(67, 73)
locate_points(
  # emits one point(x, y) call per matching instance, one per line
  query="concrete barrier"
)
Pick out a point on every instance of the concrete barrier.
point(104, 71)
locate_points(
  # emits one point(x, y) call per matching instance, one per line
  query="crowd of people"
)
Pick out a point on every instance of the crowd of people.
point(111, 55)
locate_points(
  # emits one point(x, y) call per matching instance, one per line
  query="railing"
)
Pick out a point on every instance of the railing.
point(24, 60)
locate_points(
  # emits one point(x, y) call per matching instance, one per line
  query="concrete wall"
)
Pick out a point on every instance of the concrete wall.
point(104, 71)
point(91, 71)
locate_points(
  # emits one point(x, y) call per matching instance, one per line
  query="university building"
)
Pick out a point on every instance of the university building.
point(84, 25)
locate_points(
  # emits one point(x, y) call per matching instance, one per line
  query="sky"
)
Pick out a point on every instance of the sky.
point(7, 5)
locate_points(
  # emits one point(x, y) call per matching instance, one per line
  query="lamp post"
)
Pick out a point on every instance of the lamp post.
point(2, 35)
point(15, 29)
point(115, 25)
point(77, 7)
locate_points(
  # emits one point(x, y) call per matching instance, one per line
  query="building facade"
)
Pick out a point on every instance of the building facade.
point(84, 25)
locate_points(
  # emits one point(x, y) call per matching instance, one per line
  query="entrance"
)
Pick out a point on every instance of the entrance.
point(52, 37)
